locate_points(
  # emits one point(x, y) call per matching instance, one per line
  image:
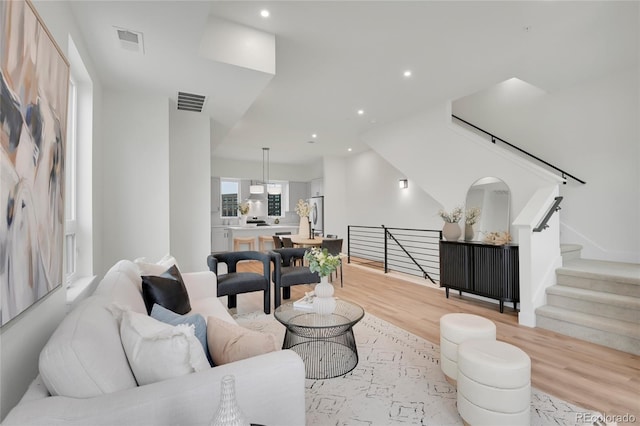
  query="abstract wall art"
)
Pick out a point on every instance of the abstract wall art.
point(33, 117)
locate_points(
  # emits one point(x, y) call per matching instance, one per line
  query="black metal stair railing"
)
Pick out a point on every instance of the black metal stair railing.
point(406, 250)
point(554, 208)
point(494, 138)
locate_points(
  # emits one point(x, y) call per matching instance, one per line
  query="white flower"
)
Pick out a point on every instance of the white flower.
point(453, 217)
point(302, 208)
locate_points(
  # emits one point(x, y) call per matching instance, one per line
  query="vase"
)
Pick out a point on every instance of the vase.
point(324, 303)
point(468, 232)
point(243, 220)
point(304, 228)
point(451, 231)
point(228, 413)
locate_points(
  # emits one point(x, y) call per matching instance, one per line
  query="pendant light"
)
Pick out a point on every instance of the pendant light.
point(257, 192)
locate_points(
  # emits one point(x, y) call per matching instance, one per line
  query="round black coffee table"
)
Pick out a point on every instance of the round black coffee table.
point(325, 343)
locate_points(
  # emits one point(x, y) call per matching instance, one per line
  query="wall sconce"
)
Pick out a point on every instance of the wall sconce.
point(403, 183)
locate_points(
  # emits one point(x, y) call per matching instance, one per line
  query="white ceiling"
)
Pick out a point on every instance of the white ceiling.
point(335, 57)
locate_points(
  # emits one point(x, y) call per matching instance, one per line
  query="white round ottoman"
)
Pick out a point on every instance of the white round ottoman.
point(456, 328)
point(494, 383)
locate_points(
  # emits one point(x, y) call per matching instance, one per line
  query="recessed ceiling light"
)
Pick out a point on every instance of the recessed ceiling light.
point(407, 73)
point(349, 149)
point(314, 135)
point(360, 112)
point(264, 13)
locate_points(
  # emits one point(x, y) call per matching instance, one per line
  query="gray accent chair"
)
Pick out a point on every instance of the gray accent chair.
point(233, 283)
point(286, 274)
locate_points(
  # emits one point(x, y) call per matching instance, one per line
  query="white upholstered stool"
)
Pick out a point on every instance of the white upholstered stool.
point(455, 329)
point(494, 383)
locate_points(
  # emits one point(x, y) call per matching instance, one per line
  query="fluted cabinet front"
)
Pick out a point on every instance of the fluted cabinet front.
point(483, 269)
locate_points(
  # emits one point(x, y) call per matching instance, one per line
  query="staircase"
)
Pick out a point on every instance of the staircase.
point(594, 300)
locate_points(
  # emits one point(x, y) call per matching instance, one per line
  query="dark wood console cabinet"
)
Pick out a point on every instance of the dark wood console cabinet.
point(483, 269)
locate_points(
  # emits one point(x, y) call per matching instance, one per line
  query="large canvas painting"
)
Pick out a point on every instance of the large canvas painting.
point(33, 116)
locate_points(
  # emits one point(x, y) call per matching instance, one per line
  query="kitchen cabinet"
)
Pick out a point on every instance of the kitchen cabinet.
point(297, 191)
point(483, 269)
point(215, 195)
point(220, 239)
point(317, 187)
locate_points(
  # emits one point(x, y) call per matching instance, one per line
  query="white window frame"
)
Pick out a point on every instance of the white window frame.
point(71, 207)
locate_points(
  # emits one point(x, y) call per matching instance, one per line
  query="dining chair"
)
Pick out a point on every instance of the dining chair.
point(277, 242)
point(287, 274)
point(334, 247)
point(332, 236)
point(233, 283)
point(287, 243)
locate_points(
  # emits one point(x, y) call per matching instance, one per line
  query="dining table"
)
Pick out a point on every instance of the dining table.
point(306, 242)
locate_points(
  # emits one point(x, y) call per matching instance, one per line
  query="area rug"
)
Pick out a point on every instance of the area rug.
point(398, 381)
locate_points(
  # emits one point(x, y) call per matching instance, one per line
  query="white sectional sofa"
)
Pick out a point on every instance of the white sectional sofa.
point(85, 378)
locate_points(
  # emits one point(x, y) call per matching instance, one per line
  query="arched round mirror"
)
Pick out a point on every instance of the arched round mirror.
point(491, 197)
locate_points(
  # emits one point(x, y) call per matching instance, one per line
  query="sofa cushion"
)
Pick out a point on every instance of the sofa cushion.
point(166, 290)
point(231, 342)
point(199, 323)
point(157, 351)
point(122, 285)
point(84, 357)
point(155, 268)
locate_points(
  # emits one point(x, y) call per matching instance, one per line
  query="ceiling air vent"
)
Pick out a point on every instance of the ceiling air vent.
point(130, 40)
point(190, 101)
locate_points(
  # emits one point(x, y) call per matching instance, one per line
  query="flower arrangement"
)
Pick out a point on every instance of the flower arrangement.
point(498, 238)
point(321, 261)
point(453, 217)
point(243, 208)
point(303, 208)
point(471, 215)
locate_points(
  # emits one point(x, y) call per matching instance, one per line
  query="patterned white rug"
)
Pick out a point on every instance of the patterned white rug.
point(398, 381)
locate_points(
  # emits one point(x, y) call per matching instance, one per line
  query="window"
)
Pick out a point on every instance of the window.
point(70, 206)
point(78, 200)
point(278, 197)
point(229, 194)
point(274, 208)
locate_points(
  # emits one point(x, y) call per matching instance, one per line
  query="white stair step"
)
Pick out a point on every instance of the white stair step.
point(570, 251)
point(625, 308)
point(612, 277)
point(616, 334)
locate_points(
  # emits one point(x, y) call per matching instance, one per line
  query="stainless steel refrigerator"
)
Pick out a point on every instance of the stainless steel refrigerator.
point(317, 214)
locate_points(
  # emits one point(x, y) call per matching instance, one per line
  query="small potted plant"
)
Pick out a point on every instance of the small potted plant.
point(324, 264)
point(471, 216)
point(303, 209)
point(243, 209)
point(451, 230)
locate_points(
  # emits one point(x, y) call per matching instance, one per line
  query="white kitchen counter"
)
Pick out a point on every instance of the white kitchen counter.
point(229, 232)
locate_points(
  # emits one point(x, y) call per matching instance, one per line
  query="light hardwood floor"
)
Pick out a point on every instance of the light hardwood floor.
point(588, 375)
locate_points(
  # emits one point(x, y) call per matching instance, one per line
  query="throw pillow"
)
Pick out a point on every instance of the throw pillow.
point(229, 342)
point(147, 267)
point(157, 351)
point(166, 290)
point(200, 325)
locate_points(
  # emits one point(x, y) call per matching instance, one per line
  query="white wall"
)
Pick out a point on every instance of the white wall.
point(373, 197)
point(224, 167)
point(23, 338)
point(592, 131)
point(336, 197)
point(190, 189)
point(445, 160)
point(136, 176)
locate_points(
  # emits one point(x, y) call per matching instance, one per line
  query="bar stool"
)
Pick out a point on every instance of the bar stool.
point(266, 239)
point(250, 241)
